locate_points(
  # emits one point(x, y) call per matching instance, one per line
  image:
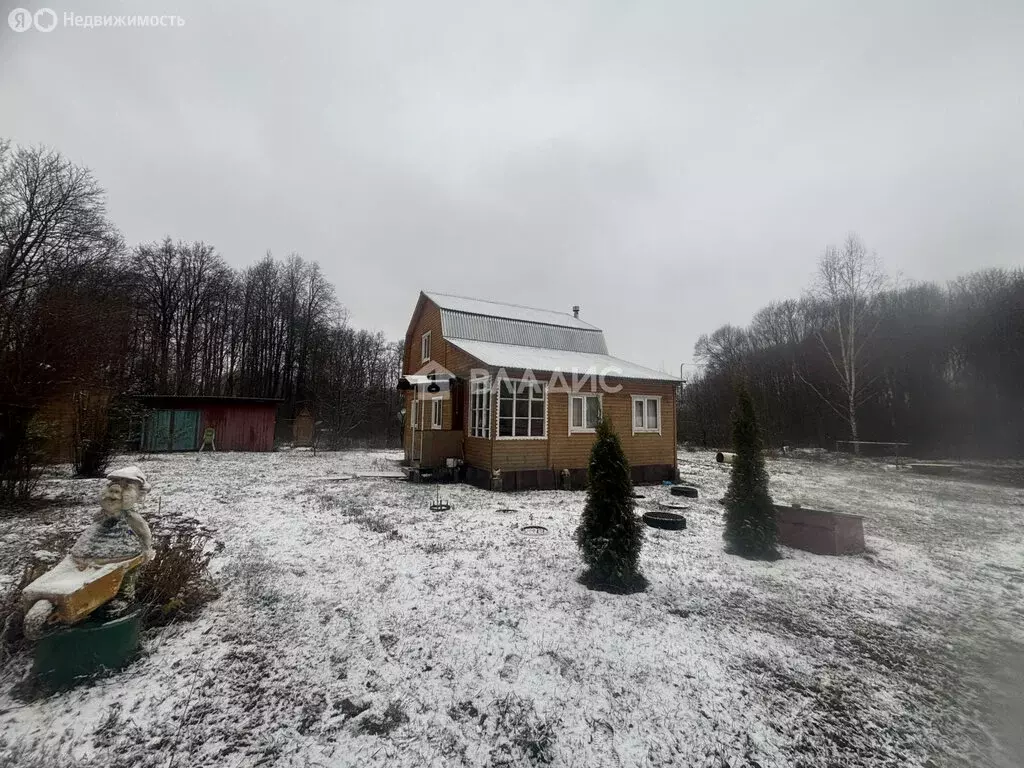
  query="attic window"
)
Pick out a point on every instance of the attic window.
point(425, 347)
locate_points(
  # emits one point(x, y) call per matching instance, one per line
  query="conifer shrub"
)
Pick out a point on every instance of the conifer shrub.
point(610, 534)
point(750, 528)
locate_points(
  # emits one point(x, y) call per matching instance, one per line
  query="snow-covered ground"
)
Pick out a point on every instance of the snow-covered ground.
point(357, 627)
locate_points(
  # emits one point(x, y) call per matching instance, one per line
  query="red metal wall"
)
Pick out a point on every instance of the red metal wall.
point(240, 427)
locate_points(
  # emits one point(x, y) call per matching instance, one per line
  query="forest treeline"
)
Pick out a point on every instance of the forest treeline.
point(938, 366)
point(81, 310)
point(274, 329)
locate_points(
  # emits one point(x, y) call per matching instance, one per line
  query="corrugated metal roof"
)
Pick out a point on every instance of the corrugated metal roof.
point(500, 330)
point(507, 311)
point(551, 360)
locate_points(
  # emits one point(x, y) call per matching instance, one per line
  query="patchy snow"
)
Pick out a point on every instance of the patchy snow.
point(110, 539)
point(358, 628)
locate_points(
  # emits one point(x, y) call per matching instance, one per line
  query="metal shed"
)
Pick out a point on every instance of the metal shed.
point(177, 423)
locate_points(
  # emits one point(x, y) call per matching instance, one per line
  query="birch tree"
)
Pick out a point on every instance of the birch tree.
point(848, 285)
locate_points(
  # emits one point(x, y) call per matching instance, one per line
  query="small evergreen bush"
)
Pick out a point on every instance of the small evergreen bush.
point(750, 529)
point(610, 535)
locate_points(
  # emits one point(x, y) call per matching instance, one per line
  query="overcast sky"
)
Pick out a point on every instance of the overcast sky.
point(669, 166)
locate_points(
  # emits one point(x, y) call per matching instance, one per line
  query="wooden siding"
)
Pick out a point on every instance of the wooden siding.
point(458, 362)
point(440, 444)
point(520, 454)
point(407, 425)
point(478, 452)
point(242, 427)
point(239, 424)
point(427, 318)
point(564, 451)
point(446, 424)
point(644, 448)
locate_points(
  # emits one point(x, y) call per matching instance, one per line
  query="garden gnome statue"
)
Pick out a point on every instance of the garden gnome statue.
point(103, 564)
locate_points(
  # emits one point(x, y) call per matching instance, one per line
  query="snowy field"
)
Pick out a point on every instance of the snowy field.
point(358, 628)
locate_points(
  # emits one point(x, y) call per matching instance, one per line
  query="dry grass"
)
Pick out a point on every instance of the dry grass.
point(177, 583)
point(12, 613)
point(385, 722)
point(521, 736)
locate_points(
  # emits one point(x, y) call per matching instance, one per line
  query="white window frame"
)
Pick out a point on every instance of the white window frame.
point(436, 412)
point(480, 401)
point(514, 383)
point(425, 347)
point(644, 429)
point(584, 430)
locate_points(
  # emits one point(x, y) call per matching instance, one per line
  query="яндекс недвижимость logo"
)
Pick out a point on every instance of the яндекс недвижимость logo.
point(22, 19)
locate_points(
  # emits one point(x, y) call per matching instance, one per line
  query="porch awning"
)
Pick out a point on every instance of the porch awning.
point(425, 383)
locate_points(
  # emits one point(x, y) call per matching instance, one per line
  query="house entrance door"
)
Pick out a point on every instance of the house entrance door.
point(417, 431)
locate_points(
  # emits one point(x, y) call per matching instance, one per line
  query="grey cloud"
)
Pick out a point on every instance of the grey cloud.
point(669, 166)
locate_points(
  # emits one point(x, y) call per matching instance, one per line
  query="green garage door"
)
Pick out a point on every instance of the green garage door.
point(172, 431)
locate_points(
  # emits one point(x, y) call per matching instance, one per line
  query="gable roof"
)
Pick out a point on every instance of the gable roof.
point(511, 336)
point(499, 323)
point(507, 311)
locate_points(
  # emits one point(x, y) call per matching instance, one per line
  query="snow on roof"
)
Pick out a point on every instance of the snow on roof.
point(539, 359)
point(509, 311)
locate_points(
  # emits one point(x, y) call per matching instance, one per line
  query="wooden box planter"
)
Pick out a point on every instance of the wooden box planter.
point(824, 533)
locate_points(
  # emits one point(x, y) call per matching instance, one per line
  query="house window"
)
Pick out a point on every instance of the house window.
point(435, 412)
point(425, 347)
point(521, 411)
point(480, 408)
point(584, 413)
point(646, 414)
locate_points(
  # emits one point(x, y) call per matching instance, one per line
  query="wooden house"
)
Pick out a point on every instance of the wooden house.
point(512, 395)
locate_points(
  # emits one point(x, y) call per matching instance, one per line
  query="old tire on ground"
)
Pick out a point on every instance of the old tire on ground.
point(684, 490)
point(668, 521)
point(674, 505)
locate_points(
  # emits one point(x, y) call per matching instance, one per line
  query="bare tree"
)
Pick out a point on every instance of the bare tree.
point(848, 285)
point(52, 225)
point(723, 348)
point(54, 234)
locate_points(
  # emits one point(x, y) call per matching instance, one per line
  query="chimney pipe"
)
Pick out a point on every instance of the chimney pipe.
point(576, 310)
